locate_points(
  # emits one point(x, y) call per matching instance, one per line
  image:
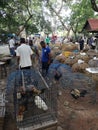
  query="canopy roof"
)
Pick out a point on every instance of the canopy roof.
point(91, 25)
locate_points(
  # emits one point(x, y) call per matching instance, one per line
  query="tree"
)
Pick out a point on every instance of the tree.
point(94, 5)
point(33, 15)
point(56, 7)
point(20, 12)
point(81, 11)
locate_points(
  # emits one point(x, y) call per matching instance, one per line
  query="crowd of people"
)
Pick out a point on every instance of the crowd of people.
point(91, 42)
point(27, 49)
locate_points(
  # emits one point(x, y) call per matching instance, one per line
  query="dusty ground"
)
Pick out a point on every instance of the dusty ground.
point(80, 114)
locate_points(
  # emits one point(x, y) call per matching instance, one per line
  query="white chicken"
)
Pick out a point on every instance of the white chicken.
point(40, 103)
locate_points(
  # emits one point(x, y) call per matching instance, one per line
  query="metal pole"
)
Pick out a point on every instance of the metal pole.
point(43, 80)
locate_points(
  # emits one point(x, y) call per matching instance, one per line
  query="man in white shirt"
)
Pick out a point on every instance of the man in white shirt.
point(12, 46)
point(24, 55)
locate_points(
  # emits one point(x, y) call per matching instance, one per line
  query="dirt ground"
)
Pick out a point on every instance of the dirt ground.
point(73, 114)
point(80, 114)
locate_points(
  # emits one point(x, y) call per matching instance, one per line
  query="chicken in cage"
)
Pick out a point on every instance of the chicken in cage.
point(34, 102)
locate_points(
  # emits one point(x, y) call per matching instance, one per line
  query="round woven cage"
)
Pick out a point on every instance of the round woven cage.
point(94, 76)
point(69, 47)
point(60, 58)
point(66, 53)
point(55, 51)
point(93, 63)
point(71, 60)
point(79, 67)
point(51, 45)
point(92, 53)
point(57, 45)
point(83, 57)
point(74, 54)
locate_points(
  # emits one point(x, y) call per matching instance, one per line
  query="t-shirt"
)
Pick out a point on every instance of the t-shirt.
point(81, 42)
point(24, 52)
point(11, 43)
point(47, 40)
point(45, 54)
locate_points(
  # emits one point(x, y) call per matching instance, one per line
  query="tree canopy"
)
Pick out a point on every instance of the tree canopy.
point(41, 15)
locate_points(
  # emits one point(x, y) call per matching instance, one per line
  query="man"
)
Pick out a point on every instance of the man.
point(54, 38)
point(81, 44)
point(47, 40)
point(45, 58)
point(24, 55)
point(12, 46)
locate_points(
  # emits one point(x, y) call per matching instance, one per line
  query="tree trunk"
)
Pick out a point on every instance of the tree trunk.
point(59, 18)
point(94, 5)
point(24, 25)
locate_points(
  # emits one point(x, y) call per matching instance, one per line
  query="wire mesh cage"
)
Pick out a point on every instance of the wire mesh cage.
point(35, 104)
point(2, 109)
point(2, 104)
point(77, 80)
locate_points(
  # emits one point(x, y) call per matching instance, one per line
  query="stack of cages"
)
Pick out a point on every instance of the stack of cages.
point(2, 109)
point(35, 103)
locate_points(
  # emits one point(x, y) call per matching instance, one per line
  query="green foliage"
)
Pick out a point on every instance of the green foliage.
point(14, 13)
point(81, 11)
point(17, 12)
point(31, 29)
